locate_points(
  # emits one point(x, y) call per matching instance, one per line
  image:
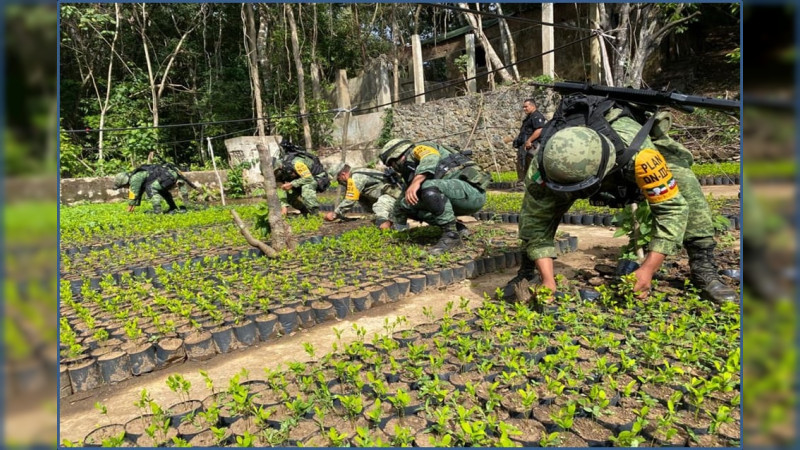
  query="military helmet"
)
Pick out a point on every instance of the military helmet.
point(394, 149)
point(121, 179)
point(576, 159)
point(334, 170)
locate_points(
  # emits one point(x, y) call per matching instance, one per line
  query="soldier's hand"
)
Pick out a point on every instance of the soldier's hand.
point(284, 210)
point(386, 225)
point(330, 217)
point(286, 186)
point(411, 193)
point(131, 208)
point(643, 278)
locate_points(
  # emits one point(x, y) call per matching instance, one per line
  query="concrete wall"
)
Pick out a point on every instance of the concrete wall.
point(362, 130)
point(101, 189)
point(243, 148)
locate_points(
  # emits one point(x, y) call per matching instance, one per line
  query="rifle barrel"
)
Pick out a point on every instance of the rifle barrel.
point(647, 96)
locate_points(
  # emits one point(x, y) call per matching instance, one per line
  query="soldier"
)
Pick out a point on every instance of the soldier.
point(440, 185)
point(528, 139)
point(301, 175)
point(578, 162)
point(155, 180)
point(371, 188)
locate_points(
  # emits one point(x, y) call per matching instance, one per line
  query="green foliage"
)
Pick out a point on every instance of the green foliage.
point(625, 220)
point(386, 129)
point(235, 186)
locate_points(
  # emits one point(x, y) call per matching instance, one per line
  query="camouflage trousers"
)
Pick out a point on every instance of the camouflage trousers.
point(699, 224)
point(382, 207)
point(159, 194)
point(462, 199)
point(304, 197)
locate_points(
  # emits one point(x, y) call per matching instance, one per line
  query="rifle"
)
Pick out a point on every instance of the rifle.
point(178, 171)
point(673, 99)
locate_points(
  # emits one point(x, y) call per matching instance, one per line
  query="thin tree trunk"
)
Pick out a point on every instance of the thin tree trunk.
point(491, 55)
point(300, 77)
point(281, 233)
point(508, 44)
point(396, 61)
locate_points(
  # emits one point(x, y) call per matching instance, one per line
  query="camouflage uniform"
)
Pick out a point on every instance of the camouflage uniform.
point(303, 195)
point(371, 190)
point(664, 177)
point(162, 179)
point(454, 186)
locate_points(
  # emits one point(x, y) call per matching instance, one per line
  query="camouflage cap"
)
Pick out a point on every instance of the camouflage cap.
point(334, 170)
point(574, 154)
point(121, 179)
point(394, 149)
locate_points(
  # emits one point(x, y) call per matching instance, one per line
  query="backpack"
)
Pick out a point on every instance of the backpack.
point(579, 109)
point(292, 151)
point(157, 172)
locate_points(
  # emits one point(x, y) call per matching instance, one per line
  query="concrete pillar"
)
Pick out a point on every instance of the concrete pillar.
point(472, 83)
point(384, 87)
point(595, 63)
point(419, 78)
point(343, 91)
point(548, 60)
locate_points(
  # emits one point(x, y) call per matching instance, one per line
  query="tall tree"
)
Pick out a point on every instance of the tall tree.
point(491, 54)
point(638, 29)
point(298, 63)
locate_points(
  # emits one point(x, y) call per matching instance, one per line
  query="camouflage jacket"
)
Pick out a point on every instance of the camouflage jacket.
point(365, 185)
point(542, 208)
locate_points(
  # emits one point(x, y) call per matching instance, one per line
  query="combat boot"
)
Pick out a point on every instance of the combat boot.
point(704, 274)
point(462, 229)
point(527, 271)
point(450, 239)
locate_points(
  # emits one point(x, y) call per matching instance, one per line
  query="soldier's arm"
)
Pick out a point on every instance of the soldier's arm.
point(668, 206)
point(305, 174)
point(136, 188)
point(428, 158)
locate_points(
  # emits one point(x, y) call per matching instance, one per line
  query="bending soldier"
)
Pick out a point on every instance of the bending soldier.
point(301, 175)
point(155, 180)
point(371, 188)
point(624, 165)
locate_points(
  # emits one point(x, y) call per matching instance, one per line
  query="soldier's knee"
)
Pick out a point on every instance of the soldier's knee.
point(432, 200)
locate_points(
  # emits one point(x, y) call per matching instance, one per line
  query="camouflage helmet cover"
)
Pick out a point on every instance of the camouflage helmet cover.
point(394, 149)
point(575, 154)
point(334, 170)
point(121, 179)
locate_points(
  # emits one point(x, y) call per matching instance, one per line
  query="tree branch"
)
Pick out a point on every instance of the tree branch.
point(266, 249)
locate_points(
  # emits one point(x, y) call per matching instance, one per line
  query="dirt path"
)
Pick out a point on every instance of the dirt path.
point(78, 416)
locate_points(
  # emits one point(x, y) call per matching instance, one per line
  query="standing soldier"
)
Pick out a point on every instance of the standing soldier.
point(621, 163)
point(528, 139)
point(155, 180)
point(371, 188)
point(440, 185)
point(301, 175)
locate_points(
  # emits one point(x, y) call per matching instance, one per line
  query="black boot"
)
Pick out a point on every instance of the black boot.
point(462, 229)
point(450, 239)
point(527, 271)
point(705, 273)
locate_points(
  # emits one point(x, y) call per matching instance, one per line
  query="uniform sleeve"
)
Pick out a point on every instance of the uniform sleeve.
point(538, 120)
point(305, 174)
point(350, 198)
point(541, 213)
point(136, 188)
point(668, 206)
point(428, 158)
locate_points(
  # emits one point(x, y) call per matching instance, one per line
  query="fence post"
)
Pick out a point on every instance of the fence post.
point(214, 164)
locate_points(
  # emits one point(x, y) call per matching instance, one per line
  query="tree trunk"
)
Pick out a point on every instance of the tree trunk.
point(301, 92)
point(491, 55)
point(395, 60)
point(281, 233)
point(509, 47)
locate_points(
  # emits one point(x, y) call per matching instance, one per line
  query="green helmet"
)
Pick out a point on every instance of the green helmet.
point(576, 159)
point(334, 170)
point(121, 179)
point(394, 149)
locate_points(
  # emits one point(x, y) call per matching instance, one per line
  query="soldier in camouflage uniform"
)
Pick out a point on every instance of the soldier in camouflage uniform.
point(440, 185)
point(294, 175)
point(155, 180)
point(572, 165)
point(370, 188)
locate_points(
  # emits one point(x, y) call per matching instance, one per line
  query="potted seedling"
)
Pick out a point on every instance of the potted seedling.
point(185, 406)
